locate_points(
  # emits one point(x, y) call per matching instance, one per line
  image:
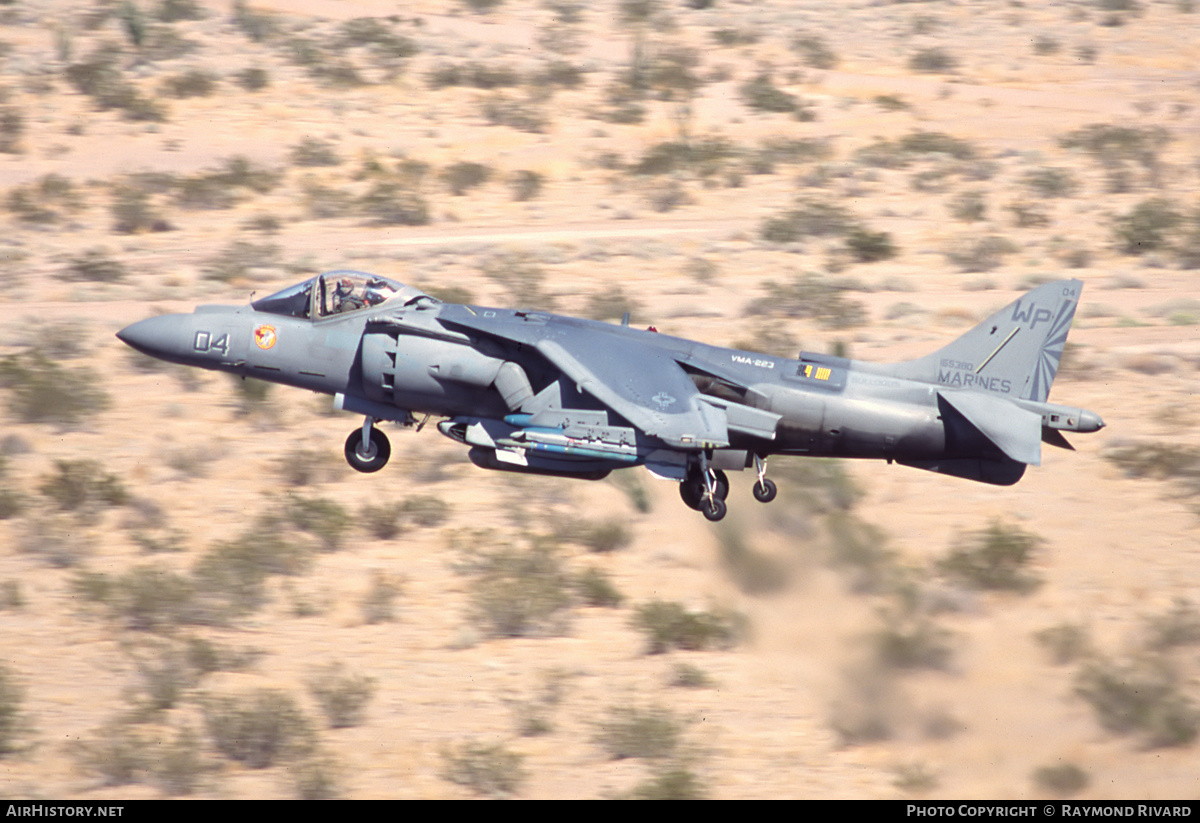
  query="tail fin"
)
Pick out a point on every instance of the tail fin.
point(1014, 353)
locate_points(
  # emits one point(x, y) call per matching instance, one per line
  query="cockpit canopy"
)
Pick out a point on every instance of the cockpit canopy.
point(338, 292)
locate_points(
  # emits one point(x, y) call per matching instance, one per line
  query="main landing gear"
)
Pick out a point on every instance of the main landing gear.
point(705, 489)
point(368, 449)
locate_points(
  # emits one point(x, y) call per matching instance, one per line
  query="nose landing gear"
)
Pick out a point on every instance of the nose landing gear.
point(368, 449)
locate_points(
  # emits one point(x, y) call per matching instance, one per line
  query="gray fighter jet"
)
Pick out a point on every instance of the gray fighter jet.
point(533, 392)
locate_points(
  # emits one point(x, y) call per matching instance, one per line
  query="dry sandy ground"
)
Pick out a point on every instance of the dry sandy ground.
point(1116, 550)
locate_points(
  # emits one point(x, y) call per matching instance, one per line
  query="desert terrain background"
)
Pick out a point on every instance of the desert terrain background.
point(199, 598)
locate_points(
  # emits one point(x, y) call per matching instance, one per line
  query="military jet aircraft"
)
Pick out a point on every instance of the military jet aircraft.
point(529, 391)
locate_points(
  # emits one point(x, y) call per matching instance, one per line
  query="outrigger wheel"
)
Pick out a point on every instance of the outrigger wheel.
point(367, 449)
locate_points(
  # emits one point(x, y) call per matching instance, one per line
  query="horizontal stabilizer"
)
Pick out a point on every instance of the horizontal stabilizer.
point(1015, 431)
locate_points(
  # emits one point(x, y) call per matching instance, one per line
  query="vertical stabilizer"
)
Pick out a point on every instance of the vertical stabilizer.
point(1014, 353)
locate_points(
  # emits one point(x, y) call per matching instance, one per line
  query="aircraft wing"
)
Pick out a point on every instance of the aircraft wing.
point(641, 382)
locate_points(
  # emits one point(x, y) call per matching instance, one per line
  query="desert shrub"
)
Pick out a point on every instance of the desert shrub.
point(57, 540)
point(754, 572)
point(1061, 779)
point(526, 185)
point(969, 206)
point(41, 390)
point(675, 782)
point(1050, 182)
point(179, 767)
point(463, 176)
point(316, 776)
point(517, 593)
point(425, 510)
point(814, 51)
point(133, 212)
point(1178, 626)
point(117, 753)
point(868, 246)
point(523, 279)
point(12, 716)
point(1114, 147)
point(229, 580)
point(933, 60)
point(595, 588)
point(148, 598)
point(258, 729)
point(669, 625)
point(49, 199)
point(812, 297)
point(381, 521)
point(628, 731)
point(378, 603)
point(810, 218)
point(313, 151)
point(194, 83)
point(342, 696)
point(174, 11)
point(995, 558)
point(1160, 461)
point(11, 503)
point(253, 78)
point(979, 254)
point(600, 536)
point(1065, 642)
point(908, 636)
point(487, 770)
point(325, 519)
point(12, 126)
point(76, 484)
point(702, 156)
point(761, 93)
point(1140, 696)
point(94, 266)
point(690, 676)
point(389, 203)
point(1148, 226)
point(523, 115)
point(240, 260)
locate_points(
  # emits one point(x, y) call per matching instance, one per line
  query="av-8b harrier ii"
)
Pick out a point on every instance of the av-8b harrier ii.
point(528, 391)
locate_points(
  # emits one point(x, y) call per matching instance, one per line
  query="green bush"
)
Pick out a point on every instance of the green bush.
point(78, 484)
point(1061, 779)
point(116, 753)
point(41, 390)
point(258, 729)
point(12, 715)
point(517, 593)
point(342, 696)
point(463, 176)
point(1140, 696)
point(995, 558)
point(651, 732)
point(669, 625)
point(933, 61)
point(1148, 227)
point(487, 770)
point(595, 588)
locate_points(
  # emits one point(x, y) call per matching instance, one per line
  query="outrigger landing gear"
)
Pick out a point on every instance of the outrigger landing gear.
point(368, 449)
point(705, 490)
point(764, 489)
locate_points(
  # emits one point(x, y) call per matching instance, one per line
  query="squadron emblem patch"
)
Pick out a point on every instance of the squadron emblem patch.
point(264, 336)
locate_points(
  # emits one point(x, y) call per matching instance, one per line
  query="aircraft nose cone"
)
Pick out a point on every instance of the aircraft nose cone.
point(165, 337)
point(147, 336)
point(1089, 421)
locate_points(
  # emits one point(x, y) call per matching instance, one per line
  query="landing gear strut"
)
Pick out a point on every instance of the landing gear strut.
point(705, 490)
point(764, 489)
point(367, 449)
